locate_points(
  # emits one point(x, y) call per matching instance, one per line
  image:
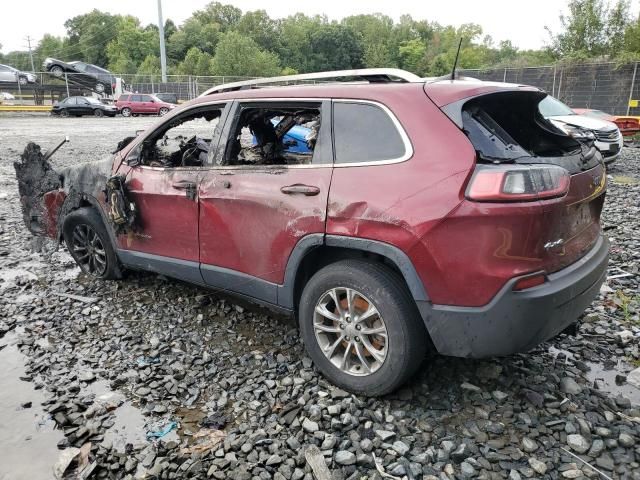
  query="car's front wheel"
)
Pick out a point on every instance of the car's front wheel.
point(125, 112)
point(361, 327)
point(89, 244)
point(100, 87)
point(98, 113)
point(56, 71)
point(64, 112)
point(22, 80)
point(163, 111)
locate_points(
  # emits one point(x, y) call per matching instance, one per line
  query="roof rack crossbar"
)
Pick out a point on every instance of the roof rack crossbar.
point(372, 75)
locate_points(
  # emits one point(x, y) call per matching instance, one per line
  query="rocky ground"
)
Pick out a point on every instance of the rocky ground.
point(159, 379)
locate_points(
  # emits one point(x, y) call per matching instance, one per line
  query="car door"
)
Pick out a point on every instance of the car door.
point(147, 104)
point(253, 215)
point(135, 104)
point(165, 194)
point(71, 105)
point(7, 75)
point(84, 107)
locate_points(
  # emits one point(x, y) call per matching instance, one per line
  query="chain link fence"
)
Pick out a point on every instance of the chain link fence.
point(609, 87)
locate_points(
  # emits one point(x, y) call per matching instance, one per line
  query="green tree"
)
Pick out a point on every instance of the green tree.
point(225, 16)
point(412, 56)
point(132, 45)
point(583, 30)
point(241, 56)
point(336, 47)
point(617, 23)
point(193, 33)
point(148, 70)
point(260, 28)
point(375, 34)
point(88, 36)
point(196, 62)
point(49, 46)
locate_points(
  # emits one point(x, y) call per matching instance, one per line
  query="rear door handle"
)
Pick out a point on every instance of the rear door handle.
point(307, 190)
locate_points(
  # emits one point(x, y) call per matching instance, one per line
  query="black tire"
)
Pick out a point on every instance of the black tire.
point(406, 342)
point(98, 113)
point(64, 112)
point(100, 87)
point(88, 220)
point(125, 112)
point(163, 111)
point(23, 80)
point(56, 71)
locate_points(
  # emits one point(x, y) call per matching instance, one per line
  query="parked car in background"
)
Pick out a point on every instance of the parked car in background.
point(168, 97)
point(9, 74)
point(78, 106)
point(84, 74)
point(142, 104)
point(445, 215)
point(6, 96)
point(606, 135)
point(628, 125)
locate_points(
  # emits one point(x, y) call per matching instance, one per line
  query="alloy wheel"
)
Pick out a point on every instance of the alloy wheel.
point(350, 331)
point(88, 250)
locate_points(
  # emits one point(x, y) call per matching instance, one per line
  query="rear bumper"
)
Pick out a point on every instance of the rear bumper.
point(518, 321)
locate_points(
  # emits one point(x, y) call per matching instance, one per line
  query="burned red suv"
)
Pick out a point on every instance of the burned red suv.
point(400, 216)
point(142, 104)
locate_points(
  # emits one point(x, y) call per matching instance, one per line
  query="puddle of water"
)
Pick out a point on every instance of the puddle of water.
point(27, 436)
point(604, 379)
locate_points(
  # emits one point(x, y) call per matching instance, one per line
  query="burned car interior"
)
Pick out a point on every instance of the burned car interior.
point(184, 142)
point(273, 136)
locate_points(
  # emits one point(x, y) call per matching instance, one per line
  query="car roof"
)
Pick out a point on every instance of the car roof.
point(442, 92)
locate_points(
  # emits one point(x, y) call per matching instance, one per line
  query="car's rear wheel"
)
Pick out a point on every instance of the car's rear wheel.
point(125, 112)
point(64, 112)
point(98, 113)
point(22, 80)
point(100, 87)
point(361, 327)
point(56, 71)
point(163, 111)
point(89, 244)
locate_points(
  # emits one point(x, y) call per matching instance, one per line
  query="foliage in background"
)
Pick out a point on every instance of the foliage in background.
point(222, 40)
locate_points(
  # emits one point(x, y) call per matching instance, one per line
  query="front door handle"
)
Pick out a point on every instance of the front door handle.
point(188, 186)
point(307, 190)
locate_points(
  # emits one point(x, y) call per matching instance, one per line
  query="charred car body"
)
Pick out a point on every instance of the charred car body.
point(447, 215)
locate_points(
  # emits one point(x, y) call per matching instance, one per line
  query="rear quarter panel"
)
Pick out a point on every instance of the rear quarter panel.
point(401, 203)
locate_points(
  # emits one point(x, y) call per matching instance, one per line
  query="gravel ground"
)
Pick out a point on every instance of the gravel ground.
point(239, 398)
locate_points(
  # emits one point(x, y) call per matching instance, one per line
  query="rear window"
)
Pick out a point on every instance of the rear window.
point(365, 133)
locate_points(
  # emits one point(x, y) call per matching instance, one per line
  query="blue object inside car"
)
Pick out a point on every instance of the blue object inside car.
point(295, 138)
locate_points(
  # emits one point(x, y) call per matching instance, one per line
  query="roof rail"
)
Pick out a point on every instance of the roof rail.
point(372, 75)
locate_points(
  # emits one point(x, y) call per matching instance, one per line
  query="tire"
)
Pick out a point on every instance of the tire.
point(98, 113)
point(56, 71)
point(100, 87)
point(125, 112)
point(23, 80)
point(397, 315)
point(84, 231)
point(64, 112)
point(163, 111)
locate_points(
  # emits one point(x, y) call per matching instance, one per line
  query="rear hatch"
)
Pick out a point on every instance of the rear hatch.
point(518, 155)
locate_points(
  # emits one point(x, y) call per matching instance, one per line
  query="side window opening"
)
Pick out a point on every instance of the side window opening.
point(274, 135)
point(365, 132)
point(183, 142)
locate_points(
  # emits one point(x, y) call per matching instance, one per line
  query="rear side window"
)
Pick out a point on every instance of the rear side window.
point(71, 100)
point(123, 98)
point(136, 98)
point(365, 133)
point(146, 98)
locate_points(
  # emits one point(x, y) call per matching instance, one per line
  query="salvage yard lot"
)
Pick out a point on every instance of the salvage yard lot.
point(125, 359)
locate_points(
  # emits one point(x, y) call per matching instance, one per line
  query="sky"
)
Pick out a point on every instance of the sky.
point(522, 23)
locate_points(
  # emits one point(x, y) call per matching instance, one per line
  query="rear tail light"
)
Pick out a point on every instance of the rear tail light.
point(517, 183)
point(530, 281)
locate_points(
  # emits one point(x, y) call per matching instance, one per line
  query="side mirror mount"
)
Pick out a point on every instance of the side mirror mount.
point(134, 157)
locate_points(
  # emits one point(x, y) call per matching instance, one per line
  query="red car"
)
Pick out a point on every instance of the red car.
point(442, 215)
point(142, 104)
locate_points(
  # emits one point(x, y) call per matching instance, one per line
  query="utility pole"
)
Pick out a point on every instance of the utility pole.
point(33, 68)
point(163, 53)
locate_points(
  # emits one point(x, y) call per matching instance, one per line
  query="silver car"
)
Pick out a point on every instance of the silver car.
point(9, 74)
